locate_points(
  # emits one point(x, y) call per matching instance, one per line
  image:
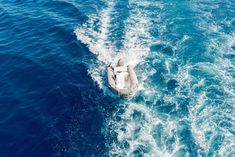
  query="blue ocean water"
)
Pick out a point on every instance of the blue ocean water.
point(54, 99)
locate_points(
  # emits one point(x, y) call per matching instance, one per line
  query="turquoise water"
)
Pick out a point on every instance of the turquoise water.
point(54, 99)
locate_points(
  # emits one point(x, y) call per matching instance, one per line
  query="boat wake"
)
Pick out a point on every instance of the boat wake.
point(185, 104)
point(97, 34)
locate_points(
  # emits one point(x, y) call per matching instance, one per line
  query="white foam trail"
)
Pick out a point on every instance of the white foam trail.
point(137, 34)
point(97, 38)
point(137, 40)
point(140, 131)
point(94, 33)
point(207, 115)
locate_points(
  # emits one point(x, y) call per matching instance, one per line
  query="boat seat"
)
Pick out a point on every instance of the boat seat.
point(120, 69)
point(121, 80)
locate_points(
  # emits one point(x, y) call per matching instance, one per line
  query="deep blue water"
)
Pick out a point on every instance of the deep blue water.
point(54, 99)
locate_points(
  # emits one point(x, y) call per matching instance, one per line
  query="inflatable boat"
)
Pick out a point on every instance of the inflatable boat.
point(122, 79)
